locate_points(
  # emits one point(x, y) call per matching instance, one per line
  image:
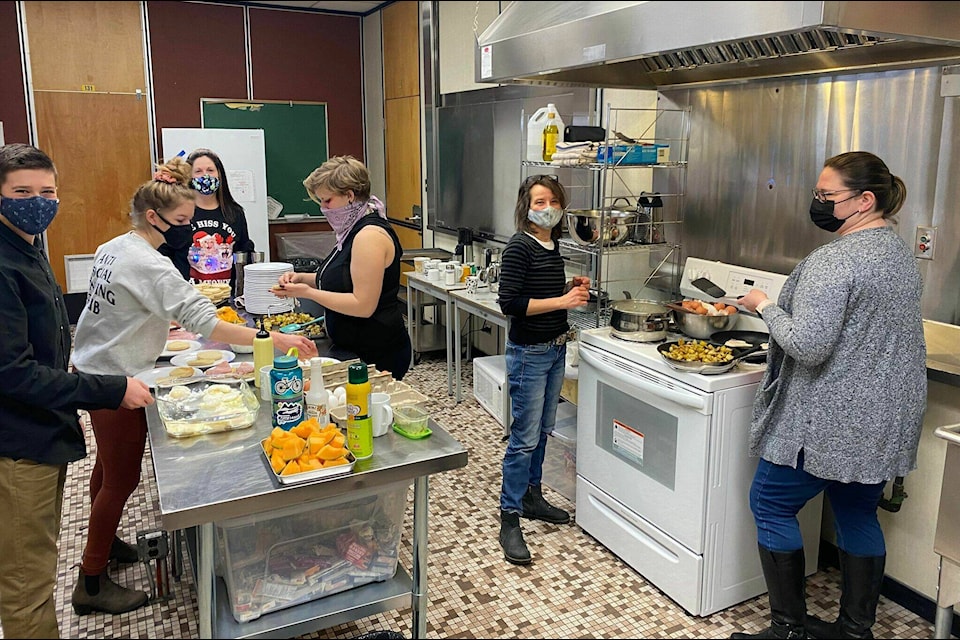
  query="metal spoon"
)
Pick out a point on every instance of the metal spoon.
point(296, 326)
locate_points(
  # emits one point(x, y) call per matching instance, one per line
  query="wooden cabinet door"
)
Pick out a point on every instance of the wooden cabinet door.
point(401, 50)
point(401, 115)
point(87, 66)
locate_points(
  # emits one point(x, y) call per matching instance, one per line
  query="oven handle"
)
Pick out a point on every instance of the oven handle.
point(679, 396)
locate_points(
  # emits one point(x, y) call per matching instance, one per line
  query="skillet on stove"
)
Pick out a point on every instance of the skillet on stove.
point(706, 368)
point(753, 337)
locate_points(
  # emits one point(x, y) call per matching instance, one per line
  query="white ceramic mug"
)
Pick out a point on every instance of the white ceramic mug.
point(381, 413)
point(265, 394)
point(473, 283)
point(433, 275)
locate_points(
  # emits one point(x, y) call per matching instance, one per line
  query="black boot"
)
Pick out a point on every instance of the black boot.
point(123, 552)
point(861, 578)
point(535, 507)
point(511, 539)
point(784, 573)
point(100, 593)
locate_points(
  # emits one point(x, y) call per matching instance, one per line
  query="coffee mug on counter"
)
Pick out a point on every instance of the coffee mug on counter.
point(473, 283)
point(433, 275)
point(381, 413)
point(265, 394)
point(419, 264)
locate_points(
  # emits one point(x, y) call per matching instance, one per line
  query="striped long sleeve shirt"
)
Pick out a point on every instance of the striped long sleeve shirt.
point(529, 271)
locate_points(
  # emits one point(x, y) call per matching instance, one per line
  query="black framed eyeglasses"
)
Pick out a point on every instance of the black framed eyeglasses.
point(542, 176)
point(822, 196)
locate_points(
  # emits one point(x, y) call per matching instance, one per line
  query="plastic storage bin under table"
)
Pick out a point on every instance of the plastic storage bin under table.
point(311, 550)
point(560, 461)
point(491, 388)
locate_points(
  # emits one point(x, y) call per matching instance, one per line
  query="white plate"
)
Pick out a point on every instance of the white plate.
point(183, 360)
point(166, 353)
point(150, 376)
point(305, 364)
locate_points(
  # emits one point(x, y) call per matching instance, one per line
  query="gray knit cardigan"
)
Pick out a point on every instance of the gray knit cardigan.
point(846, 376)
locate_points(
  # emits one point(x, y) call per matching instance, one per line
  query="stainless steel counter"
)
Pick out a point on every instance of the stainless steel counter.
point(204, 479)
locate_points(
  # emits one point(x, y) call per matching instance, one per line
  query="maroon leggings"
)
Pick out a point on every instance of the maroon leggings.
point(121, 437)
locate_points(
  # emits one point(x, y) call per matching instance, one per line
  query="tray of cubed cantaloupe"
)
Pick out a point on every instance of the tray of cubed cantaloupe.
point(307, 452)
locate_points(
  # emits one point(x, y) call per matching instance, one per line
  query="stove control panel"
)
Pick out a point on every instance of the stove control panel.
point(736, 280)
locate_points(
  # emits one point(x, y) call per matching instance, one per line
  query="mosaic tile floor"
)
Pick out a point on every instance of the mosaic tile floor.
point(574, 589)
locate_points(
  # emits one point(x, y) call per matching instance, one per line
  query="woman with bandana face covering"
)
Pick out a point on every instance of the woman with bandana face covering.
point(134, 294)
point(218, 228)
point(358, 283)
point(535, 295)
point(39, 429)
point(842, 400)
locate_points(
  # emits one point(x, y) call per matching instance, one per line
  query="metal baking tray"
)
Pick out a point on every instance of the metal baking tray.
point(309, 476)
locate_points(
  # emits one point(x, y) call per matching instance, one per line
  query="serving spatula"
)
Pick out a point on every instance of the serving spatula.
point(297, 326)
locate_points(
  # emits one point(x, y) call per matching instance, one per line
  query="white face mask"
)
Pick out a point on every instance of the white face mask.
point(546, 218)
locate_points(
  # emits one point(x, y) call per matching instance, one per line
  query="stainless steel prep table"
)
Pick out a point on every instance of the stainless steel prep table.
point(204, 479)
point(484, 304)
point(417, 282)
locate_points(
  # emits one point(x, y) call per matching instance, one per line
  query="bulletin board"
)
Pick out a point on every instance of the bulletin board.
point(295, 141)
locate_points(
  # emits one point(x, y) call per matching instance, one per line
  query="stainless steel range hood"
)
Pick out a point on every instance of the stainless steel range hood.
point(656, 44)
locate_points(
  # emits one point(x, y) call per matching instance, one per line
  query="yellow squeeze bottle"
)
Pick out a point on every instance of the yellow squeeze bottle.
point(262, 352)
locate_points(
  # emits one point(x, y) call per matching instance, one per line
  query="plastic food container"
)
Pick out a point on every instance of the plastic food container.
point(290, 555)
point(410, 419)
point(203, 406)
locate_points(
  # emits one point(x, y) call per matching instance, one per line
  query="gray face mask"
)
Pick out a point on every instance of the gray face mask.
point(547, 218)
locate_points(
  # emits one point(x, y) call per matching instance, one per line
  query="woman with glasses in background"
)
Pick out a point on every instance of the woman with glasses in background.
point(841, 403)
point(535, 295)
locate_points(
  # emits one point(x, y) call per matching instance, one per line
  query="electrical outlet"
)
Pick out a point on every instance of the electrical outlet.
point(926, 243)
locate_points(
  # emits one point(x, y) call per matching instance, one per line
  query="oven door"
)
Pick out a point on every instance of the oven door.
point(643, 438)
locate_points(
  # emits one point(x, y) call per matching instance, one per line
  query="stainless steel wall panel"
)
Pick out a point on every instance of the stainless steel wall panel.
point(756, 150)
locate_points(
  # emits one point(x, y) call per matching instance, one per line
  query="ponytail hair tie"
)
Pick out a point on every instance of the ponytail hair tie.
point(161, 176)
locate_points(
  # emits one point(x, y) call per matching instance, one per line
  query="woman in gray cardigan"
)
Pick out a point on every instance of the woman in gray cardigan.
point(841, 403)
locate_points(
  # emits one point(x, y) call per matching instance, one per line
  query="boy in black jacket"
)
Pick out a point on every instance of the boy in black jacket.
point(40, 431)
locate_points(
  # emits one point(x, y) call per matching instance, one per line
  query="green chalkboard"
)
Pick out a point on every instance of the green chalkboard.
point(294, 138)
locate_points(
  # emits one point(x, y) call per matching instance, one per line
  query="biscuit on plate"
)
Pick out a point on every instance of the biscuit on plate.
point(181, 372)
point(211, 355)
point(178, 345)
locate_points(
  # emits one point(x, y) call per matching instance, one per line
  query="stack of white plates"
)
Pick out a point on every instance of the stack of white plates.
point(258, 278)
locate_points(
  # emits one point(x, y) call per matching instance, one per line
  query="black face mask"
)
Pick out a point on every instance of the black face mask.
point(822, 215)
point(178, 236)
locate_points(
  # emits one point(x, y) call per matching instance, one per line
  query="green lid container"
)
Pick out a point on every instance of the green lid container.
point(357, 373)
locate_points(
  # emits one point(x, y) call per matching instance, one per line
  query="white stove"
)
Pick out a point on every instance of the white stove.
point(663, 469)
point(646, 355)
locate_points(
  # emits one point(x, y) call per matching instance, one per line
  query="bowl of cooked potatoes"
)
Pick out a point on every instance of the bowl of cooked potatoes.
point(699, 319)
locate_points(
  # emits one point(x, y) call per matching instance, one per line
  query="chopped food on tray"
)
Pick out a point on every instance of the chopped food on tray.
point(699, 351)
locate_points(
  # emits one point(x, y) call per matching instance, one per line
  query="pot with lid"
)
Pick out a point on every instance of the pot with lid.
point(639, 320)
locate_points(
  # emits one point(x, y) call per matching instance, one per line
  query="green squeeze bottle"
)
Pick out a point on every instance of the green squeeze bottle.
point(359, 424)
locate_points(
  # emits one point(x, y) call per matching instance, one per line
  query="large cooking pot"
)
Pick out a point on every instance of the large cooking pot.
point(639, 320)
point(583, 225)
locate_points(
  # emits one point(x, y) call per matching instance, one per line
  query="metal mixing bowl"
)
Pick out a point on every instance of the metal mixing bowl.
point(583, 225)
point(703, 327)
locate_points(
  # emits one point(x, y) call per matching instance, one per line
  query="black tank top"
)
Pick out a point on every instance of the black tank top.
point(384, 330)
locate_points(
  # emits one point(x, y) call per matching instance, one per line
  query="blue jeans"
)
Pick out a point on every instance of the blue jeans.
point(779, 492)
point(535, 374)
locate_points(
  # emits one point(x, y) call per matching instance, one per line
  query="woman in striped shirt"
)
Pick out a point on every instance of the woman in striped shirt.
point(535, 295)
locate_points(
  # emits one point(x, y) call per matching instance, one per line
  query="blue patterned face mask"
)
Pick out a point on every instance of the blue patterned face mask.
point(30, 215)
point(207, 185)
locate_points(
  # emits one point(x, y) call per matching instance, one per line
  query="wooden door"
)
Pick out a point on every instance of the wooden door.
point(401, 114)
point(87, 68)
